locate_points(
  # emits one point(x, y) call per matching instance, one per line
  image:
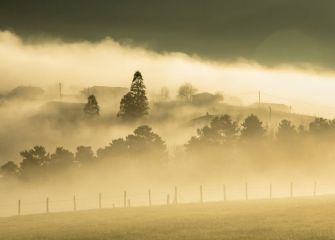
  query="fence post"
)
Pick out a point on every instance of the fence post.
point(291, 190)
point(246, 191)
point(128, 203)
point(125, 199)
point(149, 195)
point(74, 203)
point(19, 208)
point(100, 200)
point(168, 199)
point(224, 192)
point(175, 195)
point(270, 193)
point(201, 194)
point(47, 205)
point(314, 190)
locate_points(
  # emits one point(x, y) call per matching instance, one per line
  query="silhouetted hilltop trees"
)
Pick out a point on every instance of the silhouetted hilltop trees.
point(134, 104)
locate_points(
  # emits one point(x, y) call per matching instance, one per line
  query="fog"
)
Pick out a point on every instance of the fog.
point(213, 158)
point(48, 62)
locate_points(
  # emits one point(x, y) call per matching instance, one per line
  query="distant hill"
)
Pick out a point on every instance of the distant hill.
point(270, 118)
point(205, 98)
point(24, 93)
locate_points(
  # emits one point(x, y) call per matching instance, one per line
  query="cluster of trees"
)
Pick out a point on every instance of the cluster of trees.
point(146, 148)
point(227, 140)
point(142, 147)
point(133, 105)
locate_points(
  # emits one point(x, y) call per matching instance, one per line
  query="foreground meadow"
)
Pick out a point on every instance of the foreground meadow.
point(305, 218)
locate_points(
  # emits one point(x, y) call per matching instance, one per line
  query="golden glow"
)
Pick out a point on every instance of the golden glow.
point(107, 62)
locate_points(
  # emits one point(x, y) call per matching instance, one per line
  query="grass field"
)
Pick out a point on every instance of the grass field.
point(306, 218)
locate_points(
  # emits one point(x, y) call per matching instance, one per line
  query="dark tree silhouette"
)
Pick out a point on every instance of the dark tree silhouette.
point(222, 130)
point(85, 155)
point(33, 163)
point(143, 146)
point(9, 169)
point(62, 159)
point(320, 126)
point(286, 131)
point(252, 128)
point(117, 149)
point(225, 127)
point(92, 108)
point(134, 104)
point(146, 145)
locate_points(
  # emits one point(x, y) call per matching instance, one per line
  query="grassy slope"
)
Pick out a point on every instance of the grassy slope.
point(277, 219)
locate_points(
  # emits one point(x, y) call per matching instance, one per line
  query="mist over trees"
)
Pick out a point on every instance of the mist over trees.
point(141, 148)
point(226, 140)
point(220, 144)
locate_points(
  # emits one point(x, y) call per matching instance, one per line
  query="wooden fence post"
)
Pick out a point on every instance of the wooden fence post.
point(47, 205)
point(125, 199)
point(270, 193)
point(314, 190)
point(291, 190)
point(201, 194)
point(246, 191)
point(149, 195)
point(100, 201)
point(175, 195)
point(224, 192)
point(74, 203)
point(19, 208)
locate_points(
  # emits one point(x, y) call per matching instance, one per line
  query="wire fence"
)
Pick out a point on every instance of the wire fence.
point(155, 197)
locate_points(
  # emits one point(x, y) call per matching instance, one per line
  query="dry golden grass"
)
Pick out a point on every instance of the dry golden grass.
point(308, 218)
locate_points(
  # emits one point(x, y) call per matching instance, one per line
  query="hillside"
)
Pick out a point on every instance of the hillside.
point(277, 219)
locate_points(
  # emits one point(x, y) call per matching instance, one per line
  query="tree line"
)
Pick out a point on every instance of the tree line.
point(144, 147)
point(222, 139)
point(139, 148)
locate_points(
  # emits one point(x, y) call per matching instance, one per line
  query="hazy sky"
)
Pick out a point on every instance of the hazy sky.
point(269, 31)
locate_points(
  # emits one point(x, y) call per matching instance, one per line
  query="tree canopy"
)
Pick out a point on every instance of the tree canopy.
point(92, 108)
point(134, 104)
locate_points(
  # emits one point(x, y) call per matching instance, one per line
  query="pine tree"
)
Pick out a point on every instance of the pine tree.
point(134, 104)
point(92, 107)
